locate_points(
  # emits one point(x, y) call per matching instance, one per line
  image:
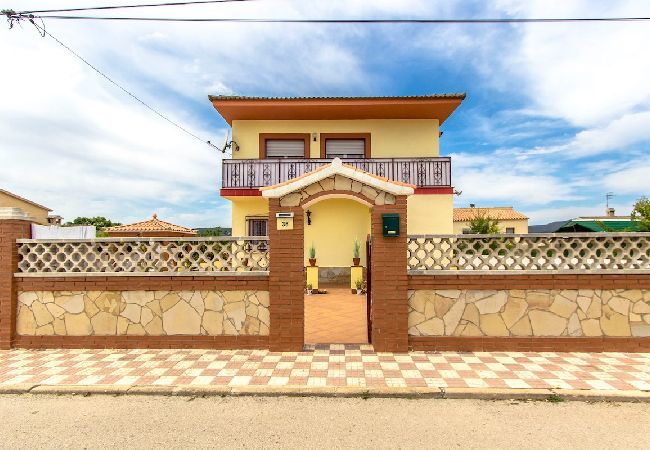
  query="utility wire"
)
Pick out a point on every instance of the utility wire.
point(41, 29)
point(198, 2)
point(354, 21)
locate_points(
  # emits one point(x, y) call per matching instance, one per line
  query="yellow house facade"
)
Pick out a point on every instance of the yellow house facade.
point(38, 212)
point(279, 139)
point(509, 220)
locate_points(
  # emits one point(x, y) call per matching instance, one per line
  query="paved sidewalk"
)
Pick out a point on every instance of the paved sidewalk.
point(327, 367)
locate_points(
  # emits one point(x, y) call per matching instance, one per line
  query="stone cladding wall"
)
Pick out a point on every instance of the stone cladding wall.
point(143, 313)
point(533, 312)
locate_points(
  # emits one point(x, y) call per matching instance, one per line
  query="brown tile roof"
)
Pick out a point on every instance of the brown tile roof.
point(11, 194)
point(153, 224)
point(496, 212)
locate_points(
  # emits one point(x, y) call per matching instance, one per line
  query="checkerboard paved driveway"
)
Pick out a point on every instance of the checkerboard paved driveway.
point(336, 365)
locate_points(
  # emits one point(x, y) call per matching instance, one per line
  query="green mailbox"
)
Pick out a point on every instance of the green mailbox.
point(390, 224)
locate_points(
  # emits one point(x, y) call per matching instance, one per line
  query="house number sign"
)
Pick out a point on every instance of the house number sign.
point(284, 221)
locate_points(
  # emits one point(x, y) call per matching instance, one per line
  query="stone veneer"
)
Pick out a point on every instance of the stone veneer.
point(338, 183)
point(540, 312)
point(140, 313)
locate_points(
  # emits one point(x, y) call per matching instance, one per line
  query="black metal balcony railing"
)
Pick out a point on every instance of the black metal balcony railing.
point(256, 173)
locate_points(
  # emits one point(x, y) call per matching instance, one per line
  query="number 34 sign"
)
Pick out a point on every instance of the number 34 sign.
point(284, 221)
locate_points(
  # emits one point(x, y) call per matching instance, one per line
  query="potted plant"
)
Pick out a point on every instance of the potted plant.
point(356, 253)
point(359, 285)
point(309, 289)
point(312, 255)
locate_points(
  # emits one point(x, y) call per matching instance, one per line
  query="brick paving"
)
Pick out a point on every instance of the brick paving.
point(325, 366)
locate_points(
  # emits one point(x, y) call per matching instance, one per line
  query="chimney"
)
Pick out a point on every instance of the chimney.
point(472, 205)
point(610, 212)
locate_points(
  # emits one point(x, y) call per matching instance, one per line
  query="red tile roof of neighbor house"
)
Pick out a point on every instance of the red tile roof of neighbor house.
point(18, 197)
point(496, 212)
point(432, 106)
point(153, 224)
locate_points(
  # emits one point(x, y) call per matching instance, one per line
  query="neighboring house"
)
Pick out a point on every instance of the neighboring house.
point(586, 224)
point(153, 227)
point(510, 221)
point(279, 139)
point(38, 212)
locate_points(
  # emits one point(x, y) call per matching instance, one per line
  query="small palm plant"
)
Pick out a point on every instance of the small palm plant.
point(359, 285)
point(312, 255)
point(309, 289)
point(356, 252)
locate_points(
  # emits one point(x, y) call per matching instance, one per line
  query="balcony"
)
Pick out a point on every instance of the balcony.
point(427, 174)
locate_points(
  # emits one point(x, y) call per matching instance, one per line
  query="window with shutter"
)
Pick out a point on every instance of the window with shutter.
point(345, 148)
point(285, 148)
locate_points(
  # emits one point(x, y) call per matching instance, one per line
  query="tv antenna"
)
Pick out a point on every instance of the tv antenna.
point(608, 196)
point(227, 144)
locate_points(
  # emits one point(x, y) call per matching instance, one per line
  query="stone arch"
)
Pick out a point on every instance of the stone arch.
point(337, 185)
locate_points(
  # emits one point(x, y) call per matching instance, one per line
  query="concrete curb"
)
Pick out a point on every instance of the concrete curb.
point(556, 395)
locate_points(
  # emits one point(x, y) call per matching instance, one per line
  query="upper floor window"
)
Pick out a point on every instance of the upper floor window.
point(284, 145)
point(510, 230)
point(345, 145)
point(345, 148)
point(285, 148)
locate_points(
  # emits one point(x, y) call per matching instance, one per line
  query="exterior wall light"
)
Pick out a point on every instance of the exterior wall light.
point(314, 136)
point(308, 217)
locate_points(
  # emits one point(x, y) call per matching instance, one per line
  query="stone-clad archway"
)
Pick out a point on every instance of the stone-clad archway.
point(389, 276)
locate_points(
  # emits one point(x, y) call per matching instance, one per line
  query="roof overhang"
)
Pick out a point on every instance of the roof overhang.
point(336, 167)
point(439, 107)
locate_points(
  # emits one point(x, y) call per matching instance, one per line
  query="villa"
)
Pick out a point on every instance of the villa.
point(281, 139)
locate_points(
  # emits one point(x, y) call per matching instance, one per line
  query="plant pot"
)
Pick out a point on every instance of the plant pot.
point(312, 262)
point(309, 291)
point(356, 261)
point(359, 291)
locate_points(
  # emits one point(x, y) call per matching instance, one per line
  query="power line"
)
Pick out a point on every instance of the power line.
point(44, 32)
point(198, 2)
point(354, 21)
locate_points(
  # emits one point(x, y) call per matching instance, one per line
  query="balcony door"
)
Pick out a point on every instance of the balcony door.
point(284, 145)
point(345, 145)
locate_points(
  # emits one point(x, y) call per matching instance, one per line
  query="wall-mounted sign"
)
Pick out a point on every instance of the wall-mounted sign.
point(284, 220)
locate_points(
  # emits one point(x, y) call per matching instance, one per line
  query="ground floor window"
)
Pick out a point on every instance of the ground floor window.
point(257, 226)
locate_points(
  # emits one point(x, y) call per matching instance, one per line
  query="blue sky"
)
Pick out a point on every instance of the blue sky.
point(556, 114)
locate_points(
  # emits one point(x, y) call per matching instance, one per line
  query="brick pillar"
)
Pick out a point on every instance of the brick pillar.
point(389, 282)
point(10, 230)
point(286, 281)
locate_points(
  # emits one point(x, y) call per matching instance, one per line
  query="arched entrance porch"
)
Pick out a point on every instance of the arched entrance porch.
point(334, 312)
point(288, 203)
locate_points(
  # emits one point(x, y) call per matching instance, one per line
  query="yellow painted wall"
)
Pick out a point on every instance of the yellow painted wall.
point(389, 137)
point(430, 214)
point(243, 207)
point(520, 226)
point(335, 225)
point(39, 214)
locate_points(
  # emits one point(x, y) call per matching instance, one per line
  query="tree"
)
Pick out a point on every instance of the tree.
point(99, 222)
point(641, 214)
point(216, 231)
point(481, 223)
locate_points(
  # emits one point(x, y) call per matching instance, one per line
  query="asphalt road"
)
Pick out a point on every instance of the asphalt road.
point(41, 421)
